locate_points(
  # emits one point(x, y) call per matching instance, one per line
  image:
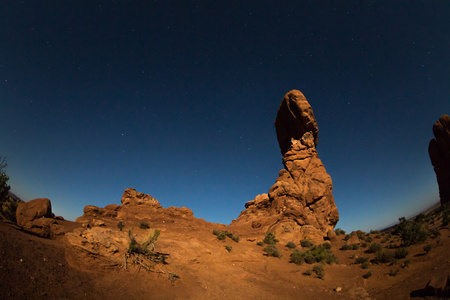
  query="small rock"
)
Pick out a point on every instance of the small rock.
point(338, 289)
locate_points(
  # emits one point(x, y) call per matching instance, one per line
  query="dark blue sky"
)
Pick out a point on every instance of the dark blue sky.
point(177, 99)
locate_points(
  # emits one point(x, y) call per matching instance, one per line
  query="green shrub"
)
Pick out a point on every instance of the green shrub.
point(319, 270)
point(221, 236)
point(369, 239)
point(270, 239)
point(307, 272)
point(326, 245)
point(401, 253)
point(260, 243)
point(411, 232)
point(346, 247)
point(272, 250)
point(384, 257)
point(228, 234)
point(374, 248)
point(306, 243)
point(406, 263)
point(228, 248)
point(365, 265)
point(339, 231)
point(427, 248)
point(314, 255)
point(143, 225)
point(235, 238)
point(393, 272)
point(297, 257)
point(347, 237)
point(367, 275)
point(361, 260)
point(291, 245)
point(8, 210)
point(216, 232)
point(120, 225)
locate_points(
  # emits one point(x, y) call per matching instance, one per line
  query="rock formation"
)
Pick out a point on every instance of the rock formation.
point(300, 204)
point(439, 151)
point(36, 216)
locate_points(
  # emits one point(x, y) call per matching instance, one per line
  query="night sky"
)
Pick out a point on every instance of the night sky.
point(177, 99)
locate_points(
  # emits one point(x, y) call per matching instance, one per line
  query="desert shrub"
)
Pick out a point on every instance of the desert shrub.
point(339, 231)
point(314, 255)
point(228, 248)
point(291, 245)
point(143, 225)
point(4, 187)
point(411, 233)
point(260, 243)
point(364, 245)
point(401, 253)
point(374, 247)
point(270, 239)
point(235, 238)
point(367, 275)
point(427, 248)
point(326, 246)
point(173, 277)
point(347, 237)
point(375, 231)
point(221, 236)
point(434, 233)
point(297, 257)
point(365, 265)
point(319, 270)
point(369, 239)
point(350, 247)
point(120, 225)
point(384, 257)
point(393, 272)
point(8, 210)
point(147, 247)
point(228, 234)
point(306, 243)
point(346, 247)
point(307, 272)
point(406, 263)
point(216, 232)
point(361, 260)
point(272, 250)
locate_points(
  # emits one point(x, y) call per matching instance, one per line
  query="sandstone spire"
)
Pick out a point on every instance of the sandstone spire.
point(300, 204)
point(439, 151)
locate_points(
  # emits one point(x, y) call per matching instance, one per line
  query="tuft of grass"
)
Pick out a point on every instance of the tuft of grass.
point(120, 225)
point(228, 248)
point(143, 225)
point(291, 245)
point(406, 263)
point(272, 250)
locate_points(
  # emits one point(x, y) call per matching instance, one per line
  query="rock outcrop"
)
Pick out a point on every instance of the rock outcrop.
point(439, 151)
point(37, 216)
point(300, 204)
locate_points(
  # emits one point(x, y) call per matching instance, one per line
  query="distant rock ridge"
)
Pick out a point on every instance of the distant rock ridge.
point(300, 204)
point(439, 151)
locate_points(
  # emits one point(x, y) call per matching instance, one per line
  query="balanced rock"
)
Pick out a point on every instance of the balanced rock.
point(300, 204)
point(439, 151)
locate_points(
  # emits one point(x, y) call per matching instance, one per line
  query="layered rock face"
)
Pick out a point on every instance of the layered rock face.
point(300, 204)
point(439, 151)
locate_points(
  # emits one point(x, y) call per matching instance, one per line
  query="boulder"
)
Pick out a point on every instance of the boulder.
point(439, 285)
point(439, 151)
point(300, 204)
point(130, 196)
point(29, 211)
